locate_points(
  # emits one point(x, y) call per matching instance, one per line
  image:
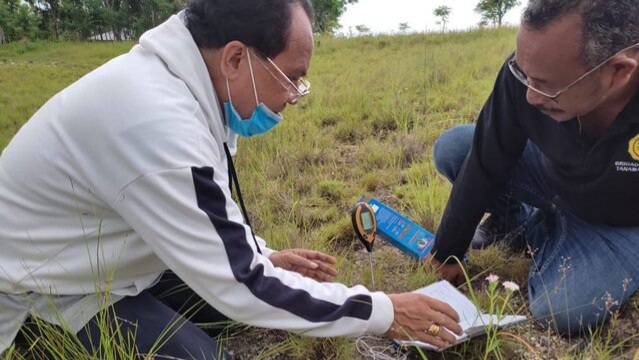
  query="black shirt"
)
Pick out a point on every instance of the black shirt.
point(598, 181)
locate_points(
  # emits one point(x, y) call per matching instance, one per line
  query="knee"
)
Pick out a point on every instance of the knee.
point(451, 148)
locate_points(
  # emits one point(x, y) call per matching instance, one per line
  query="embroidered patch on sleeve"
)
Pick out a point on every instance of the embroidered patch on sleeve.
point(633, 147)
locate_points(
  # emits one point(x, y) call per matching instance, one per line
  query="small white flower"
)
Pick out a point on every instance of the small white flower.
point(511, 286)
point(492, 278)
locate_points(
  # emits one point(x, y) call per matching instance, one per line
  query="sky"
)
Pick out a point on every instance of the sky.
point(384, 16)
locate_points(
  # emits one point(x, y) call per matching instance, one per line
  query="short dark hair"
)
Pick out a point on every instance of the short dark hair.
point(608, 26)
point(263, 24)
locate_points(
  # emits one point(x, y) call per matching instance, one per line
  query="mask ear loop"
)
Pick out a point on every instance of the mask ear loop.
point(228, 91)
point(248, 53)
point(228, 87)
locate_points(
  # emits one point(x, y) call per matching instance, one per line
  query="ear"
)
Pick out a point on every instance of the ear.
point(622, 69)
point(232, 56)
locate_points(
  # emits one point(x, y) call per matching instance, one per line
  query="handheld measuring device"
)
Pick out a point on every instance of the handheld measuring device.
point(365, 226)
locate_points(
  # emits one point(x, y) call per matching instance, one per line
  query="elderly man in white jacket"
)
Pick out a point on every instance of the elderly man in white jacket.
point(119, 187)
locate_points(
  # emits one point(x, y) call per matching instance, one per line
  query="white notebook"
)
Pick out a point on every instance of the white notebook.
point(471, 320)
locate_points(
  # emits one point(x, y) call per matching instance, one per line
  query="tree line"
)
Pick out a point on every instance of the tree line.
point(82, 19)
point(111, 19)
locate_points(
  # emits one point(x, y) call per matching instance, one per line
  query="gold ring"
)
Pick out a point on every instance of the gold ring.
point(433, 329)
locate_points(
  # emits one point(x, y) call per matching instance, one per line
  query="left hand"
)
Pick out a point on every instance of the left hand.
point(310, 263)
point(453, 272)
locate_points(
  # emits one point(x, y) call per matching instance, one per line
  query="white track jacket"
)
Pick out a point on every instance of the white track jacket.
point(123, 175)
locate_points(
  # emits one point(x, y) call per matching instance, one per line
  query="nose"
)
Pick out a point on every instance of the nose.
point(534, 98)
point(292, 98)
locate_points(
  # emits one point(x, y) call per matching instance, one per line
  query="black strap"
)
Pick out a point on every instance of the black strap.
point(233, 179)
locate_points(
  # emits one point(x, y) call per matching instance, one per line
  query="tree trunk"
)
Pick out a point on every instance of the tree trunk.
point(2, 40)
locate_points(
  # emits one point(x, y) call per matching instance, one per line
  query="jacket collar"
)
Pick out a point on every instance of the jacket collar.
point(173, 43)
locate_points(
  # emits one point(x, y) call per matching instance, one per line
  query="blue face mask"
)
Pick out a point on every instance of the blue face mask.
point(262, 120)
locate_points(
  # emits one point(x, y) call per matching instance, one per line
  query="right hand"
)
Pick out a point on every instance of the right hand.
point(415, 313)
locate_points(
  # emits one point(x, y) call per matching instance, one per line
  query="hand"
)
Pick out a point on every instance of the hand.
point(451, 272)
point(416, 313)
point(310, 263)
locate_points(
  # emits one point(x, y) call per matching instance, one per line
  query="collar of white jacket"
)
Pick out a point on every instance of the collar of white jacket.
point(173, 43)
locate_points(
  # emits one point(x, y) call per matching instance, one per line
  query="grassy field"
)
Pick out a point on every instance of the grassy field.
point(377, 105)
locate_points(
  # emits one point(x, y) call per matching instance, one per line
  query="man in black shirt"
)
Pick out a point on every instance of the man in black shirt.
point(560, 132)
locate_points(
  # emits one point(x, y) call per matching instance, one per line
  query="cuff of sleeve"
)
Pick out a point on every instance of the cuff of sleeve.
point(267, 251)
point(447, 259)
point(383, 313)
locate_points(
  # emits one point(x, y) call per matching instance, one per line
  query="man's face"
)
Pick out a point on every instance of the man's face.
point(550, 57)
point(294, 62)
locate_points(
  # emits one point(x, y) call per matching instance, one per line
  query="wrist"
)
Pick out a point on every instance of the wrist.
point(448, 259)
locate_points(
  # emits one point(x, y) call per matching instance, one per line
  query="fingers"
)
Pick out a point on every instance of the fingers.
point(440, 343)
point(317, 274)
point(453, 273)
point(444, 315)
point(450, 272)
point(446, 335)
point(443, 308)
point(326, 269)
point(415, 315)
point(305, 262)
point(295, 260)
point(430, 260)
point(316, 256)
point(447, 322)
point(441, 340)
point(321, 276)
point(313, 266)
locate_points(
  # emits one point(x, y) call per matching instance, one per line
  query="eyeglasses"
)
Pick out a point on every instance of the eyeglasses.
point(523, 78)
point(296, 91)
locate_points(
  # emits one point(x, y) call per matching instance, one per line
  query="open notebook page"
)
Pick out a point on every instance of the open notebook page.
point(471, 320)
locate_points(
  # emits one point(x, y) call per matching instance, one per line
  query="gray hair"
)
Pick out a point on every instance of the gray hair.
point(608, 26)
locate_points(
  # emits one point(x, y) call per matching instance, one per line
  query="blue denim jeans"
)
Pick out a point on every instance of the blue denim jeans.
point(580, 271)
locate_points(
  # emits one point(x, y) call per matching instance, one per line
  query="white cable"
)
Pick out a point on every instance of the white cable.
point(389, 352)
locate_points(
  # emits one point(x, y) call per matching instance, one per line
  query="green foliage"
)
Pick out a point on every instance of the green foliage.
point(443, 13)
point(327, 13)
point(82, 19)
point(362, 29)
point(17, 21)
point(493, 11)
